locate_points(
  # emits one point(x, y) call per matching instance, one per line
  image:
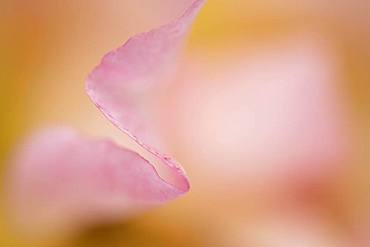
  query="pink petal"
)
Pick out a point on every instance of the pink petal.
point(125, 79)
point(62, 177)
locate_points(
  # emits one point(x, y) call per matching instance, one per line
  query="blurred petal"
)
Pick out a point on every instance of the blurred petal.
point(288, 229)
point(62, 176)
point(275, 114)
point(123, 82)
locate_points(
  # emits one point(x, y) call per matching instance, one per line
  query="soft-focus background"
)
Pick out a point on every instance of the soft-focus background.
point(48, 47)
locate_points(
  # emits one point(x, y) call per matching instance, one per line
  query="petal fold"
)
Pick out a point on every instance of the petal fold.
point(126, 78)
point(62, 178)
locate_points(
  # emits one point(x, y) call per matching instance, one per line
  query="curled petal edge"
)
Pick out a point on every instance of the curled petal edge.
point(61, 154)
point(142, 63)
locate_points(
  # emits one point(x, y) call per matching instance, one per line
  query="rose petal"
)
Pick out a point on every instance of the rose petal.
point(121, 85)
point(62, 176)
